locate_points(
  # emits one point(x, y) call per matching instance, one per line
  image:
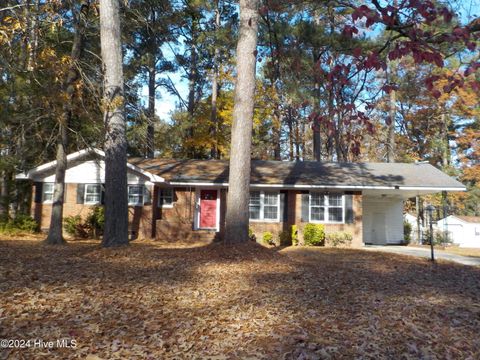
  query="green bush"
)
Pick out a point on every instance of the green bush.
point(314, 235)
point(22, 223)
point(338, 239)
point(91, 227)
point(442, 238)
point(439, 238)
point(251, 235)
point(407, 232)
point(294, 235)
point(74, 226)
point(268, 238)
point(95, 221)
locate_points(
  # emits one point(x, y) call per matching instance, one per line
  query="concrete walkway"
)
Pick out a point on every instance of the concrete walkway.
point(425, 253)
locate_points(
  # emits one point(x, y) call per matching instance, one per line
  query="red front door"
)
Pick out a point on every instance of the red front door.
point(208, 209)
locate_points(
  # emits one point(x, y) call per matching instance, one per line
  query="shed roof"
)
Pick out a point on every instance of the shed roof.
point(305, 174)
point(469, 219)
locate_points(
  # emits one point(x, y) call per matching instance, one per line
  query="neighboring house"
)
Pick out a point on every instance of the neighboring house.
point(462, 230)
point(182, 199)
point(414, 234)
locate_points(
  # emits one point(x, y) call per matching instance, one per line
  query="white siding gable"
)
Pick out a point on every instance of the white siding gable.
point(91, 172)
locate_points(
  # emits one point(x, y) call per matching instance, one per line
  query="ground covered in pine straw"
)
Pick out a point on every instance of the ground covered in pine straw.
point(164, 301)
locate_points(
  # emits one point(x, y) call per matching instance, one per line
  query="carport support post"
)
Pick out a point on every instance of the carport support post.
point(431, 209)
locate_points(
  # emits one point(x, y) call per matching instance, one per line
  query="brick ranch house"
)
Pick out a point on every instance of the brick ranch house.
point(186, 199)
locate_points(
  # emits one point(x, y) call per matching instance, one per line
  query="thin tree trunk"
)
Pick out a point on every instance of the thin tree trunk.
point(290, 133)
point(150, 151)
point(214, 153)
point(116, 200)
point(445, 142)
point(297, 141)
point(55, 234)
point(277, 135)
point(391, 128)
point(317, 143)
point(192, 81)
point(236, 229)
point(3, 196)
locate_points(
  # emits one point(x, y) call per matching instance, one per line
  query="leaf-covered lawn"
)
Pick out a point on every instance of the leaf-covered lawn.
point(163, 301)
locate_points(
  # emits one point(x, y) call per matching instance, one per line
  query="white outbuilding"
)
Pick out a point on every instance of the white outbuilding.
point(462, 230)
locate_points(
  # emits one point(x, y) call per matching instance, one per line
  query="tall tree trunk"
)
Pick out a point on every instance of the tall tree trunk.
point(277, 124)
point(116, 199)
point(150, 150)
point(290, 133)
point(239, 178)
point(214, 153)
point(391, 127)
point(55, 234)
point(317, 143)
point(4, 211)
point(444, 141)
point(192, 82)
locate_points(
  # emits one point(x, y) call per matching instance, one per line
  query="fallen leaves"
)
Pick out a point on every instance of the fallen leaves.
point(157, 300)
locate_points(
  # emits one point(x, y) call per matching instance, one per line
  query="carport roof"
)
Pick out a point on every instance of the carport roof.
point(305, 174)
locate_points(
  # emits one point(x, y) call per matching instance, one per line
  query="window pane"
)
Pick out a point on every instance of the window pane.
point(335, 200)
point(166, 197)
point(135, 199)
point(317, 213)
point(255, 198)
point(335, 214)
point(270, 212)
point(93, 193)
point(47, 188)
point(135, 189)
point(92, 198)
point(48, 191)
point(317, 199)
point(254, 212)
point(135, 194)
point(270, 198)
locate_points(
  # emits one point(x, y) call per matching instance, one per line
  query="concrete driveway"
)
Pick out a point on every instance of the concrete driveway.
point(425, 253)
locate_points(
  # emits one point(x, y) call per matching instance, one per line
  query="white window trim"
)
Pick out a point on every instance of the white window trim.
point(85, 195)
point(142, 195)
point(327, 206)
point(43, 193)
point(163, 206)
point(262, 204)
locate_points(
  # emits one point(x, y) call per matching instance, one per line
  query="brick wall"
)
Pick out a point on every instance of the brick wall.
point(176, 222)
point(140, 217)
point(294, 216)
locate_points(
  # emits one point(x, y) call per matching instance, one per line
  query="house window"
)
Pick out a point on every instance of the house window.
point(264, 205)
point(135, 194)
point(326, 207)
point(93, 193)
point(165, 198)
point(47, 193)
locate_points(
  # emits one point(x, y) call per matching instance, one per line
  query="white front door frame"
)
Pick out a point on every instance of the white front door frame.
point(196, 222)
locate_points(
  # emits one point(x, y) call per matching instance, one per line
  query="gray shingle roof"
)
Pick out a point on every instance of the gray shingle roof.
point(305, 173)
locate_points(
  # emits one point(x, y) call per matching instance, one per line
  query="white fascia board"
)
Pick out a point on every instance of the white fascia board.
point(349, 187)
point(152, 177)
point(437, 188)
point(29, 175)
point(52, 164)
